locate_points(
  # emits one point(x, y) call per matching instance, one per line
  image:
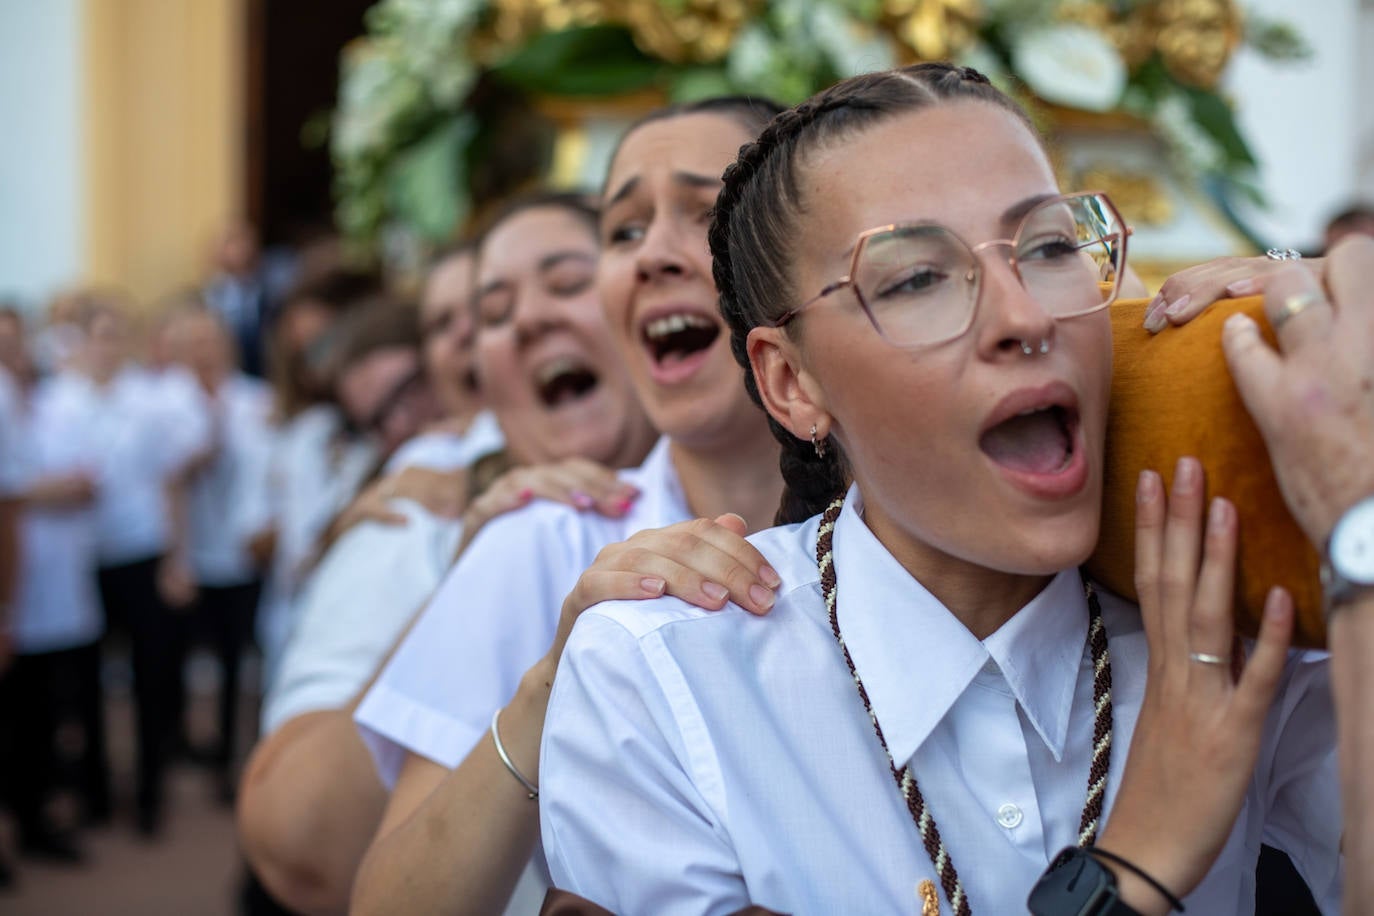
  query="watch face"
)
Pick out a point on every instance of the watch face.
point(1352, 544)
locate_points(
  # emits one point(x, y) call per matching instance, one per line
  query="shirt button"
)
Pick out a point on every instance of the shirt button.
point(1009, 816)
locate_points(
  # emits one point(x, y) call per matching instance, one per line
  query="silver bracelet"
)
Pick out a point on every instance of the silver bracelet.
point(505, 758)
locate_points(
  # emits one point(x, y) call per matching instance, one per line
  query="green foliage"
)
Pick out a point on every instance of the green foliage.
point(589, 61)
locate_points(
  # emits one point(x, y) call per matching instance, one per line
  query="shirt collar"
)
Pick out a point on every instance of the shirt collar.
point(916, 659)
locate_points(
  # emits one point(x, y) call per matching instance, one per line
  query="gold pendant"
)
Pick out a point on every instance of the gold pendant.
point(930, 900)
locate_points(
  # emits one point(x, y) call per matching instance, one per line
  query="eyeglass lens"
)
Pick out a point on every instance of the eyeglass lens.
point(920, 282)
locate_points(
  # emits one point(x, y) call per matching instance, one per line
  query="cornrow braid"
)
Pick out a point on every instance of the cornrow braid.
point(759, 212)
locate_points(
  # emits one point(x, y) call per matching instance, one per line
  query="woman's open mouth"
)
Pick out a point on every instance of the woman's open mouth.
point(677, 343)
point(564, 380)
point(1034, 439)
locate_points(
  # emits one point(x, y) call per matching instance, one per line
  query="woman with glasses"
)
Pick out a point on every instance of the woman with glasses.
point(939, 702)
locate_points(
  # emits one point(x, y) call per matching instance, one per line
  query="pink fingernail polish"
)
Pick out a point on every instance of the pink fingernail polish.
point(1178, 305)
point(525, 495)
point(1243, 287)
point(623, 506)
point(581, 500)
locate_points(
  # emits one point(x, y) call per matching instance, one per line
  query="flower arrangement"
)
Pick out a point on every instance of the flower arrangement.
point(411, 130)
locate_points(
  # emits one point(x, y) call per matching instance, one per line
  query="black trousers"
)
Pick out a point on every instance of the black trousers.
point(157, 645)
point(224, 620)
point(52, 707)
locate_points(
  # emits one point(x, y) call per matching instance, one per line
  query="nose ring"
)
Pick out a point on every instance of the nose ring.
point(1043, 348)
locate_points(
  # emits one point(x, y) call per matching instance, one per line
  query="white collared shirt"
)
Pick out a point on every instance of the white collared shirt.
point(354, 607)
point(314, 471)
point(14, 462)
point(228, 490)
point(698, 762)
point(493, 617)
point(144, 428)
point(57, 605)
point(442, 450)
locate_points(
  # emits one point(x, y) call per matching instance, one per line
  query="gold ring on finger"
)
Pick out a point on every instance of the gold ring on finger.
point(1207, 658)
point(1293, 305)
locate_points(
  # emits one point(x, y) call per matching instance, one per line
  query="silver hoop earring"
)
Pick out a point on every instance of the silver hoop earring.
point(817, 444)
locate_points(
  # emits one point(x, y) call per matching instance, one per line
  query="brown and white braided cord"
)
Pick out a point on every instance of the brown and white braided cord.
point(906, 779)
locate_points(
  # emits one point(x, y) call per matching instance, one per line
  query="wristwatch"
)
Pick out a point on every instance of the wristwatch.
point(1348, 561)
point(1076, 884)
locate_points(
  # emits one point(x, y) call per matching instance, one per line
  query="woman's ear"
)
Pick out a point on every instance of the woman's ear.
point(787, 390)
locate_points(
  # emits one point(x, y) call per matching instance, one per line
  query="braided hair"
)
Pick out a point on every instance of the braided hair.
point(757, 217)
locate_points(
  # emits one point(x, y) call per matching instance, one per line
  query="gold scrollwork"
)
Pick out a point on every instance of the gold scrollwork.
point(933, 29)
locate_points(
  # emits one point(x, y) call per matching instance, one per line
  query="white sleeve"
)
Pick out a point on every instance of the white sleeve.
point(182, 418)
point(623, 822)
point(491, 619)
point(13, 441)
point(1298, 771)
point(353, 609)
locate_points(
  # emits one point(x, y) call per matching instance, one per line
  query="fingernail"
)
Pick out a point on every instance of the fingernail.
point(1275, 608)
point(770, 576)
point(762, 597)
point(1178, 305)
point(1185, 475)
point(1154, 316)
point(653, 585)
point(1243, 287)
point(623, 506)
point(1147, 486)
point(581, 500)
point(525, 495)
point(1219, 514)
point(715, 591)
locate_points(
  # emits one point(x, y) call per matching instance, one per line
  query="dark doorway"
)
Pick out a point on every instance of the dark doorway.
point(292, 76)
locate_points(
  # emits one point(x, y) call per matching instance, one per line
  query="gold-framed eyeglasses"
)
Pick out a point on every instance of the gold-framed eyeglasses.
point(919, 283)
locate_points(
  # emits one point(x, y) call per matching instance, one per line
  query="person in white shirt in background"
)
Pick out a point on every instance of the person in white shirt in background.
point(933, 655)
point(374, 579)
point(145, 431)
point(220, 574)
point(319, 461)
point(56, 620)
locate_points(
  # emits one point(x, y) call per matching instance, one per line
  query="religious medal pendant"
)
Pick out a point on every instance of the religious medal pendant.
point(930, 898)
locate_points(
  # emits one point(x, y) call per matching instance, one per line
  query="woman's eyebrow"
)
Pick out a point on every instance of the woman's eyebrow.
point(1012, 216)
point(553, 259)
point(690, 179)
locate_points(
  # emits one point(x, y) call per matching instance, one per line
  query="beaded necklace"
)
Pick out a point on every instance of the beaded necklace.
point(906, 780)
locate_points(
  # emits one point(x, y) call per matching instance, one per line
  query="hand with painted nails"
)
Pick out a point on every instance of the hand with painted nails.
point(704, 562)
point(577, 482)
point(1186, 294)
point(1198, 736)
point(1313, 397)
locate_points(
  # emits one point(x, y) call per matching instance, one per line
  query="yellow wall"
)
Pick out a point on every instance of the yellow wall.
point(163, 127)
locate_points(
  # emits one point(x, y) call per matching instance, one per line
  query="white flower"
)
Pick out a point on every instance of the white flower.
point(850, 47)
point(752, 56)
point(1071, 65)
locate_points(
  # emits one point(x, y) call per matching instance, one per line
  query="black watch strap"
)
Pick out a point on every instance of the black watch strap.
point(1076, 884)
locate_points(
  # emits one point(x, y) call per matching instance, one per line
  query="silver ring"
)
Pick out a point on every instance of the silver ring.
point(1293, 305)
point(1207, 658)
point(1283, 254)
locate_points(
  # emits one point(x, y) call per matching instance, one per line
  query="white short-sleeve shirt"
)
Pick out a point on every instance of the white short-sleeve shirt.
point(493, 617)
point(355, 606)
point(144, 427)
point(225, 495)
point(698, 762)
point(57, 605)
point(13, 437)
point(449, 451)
